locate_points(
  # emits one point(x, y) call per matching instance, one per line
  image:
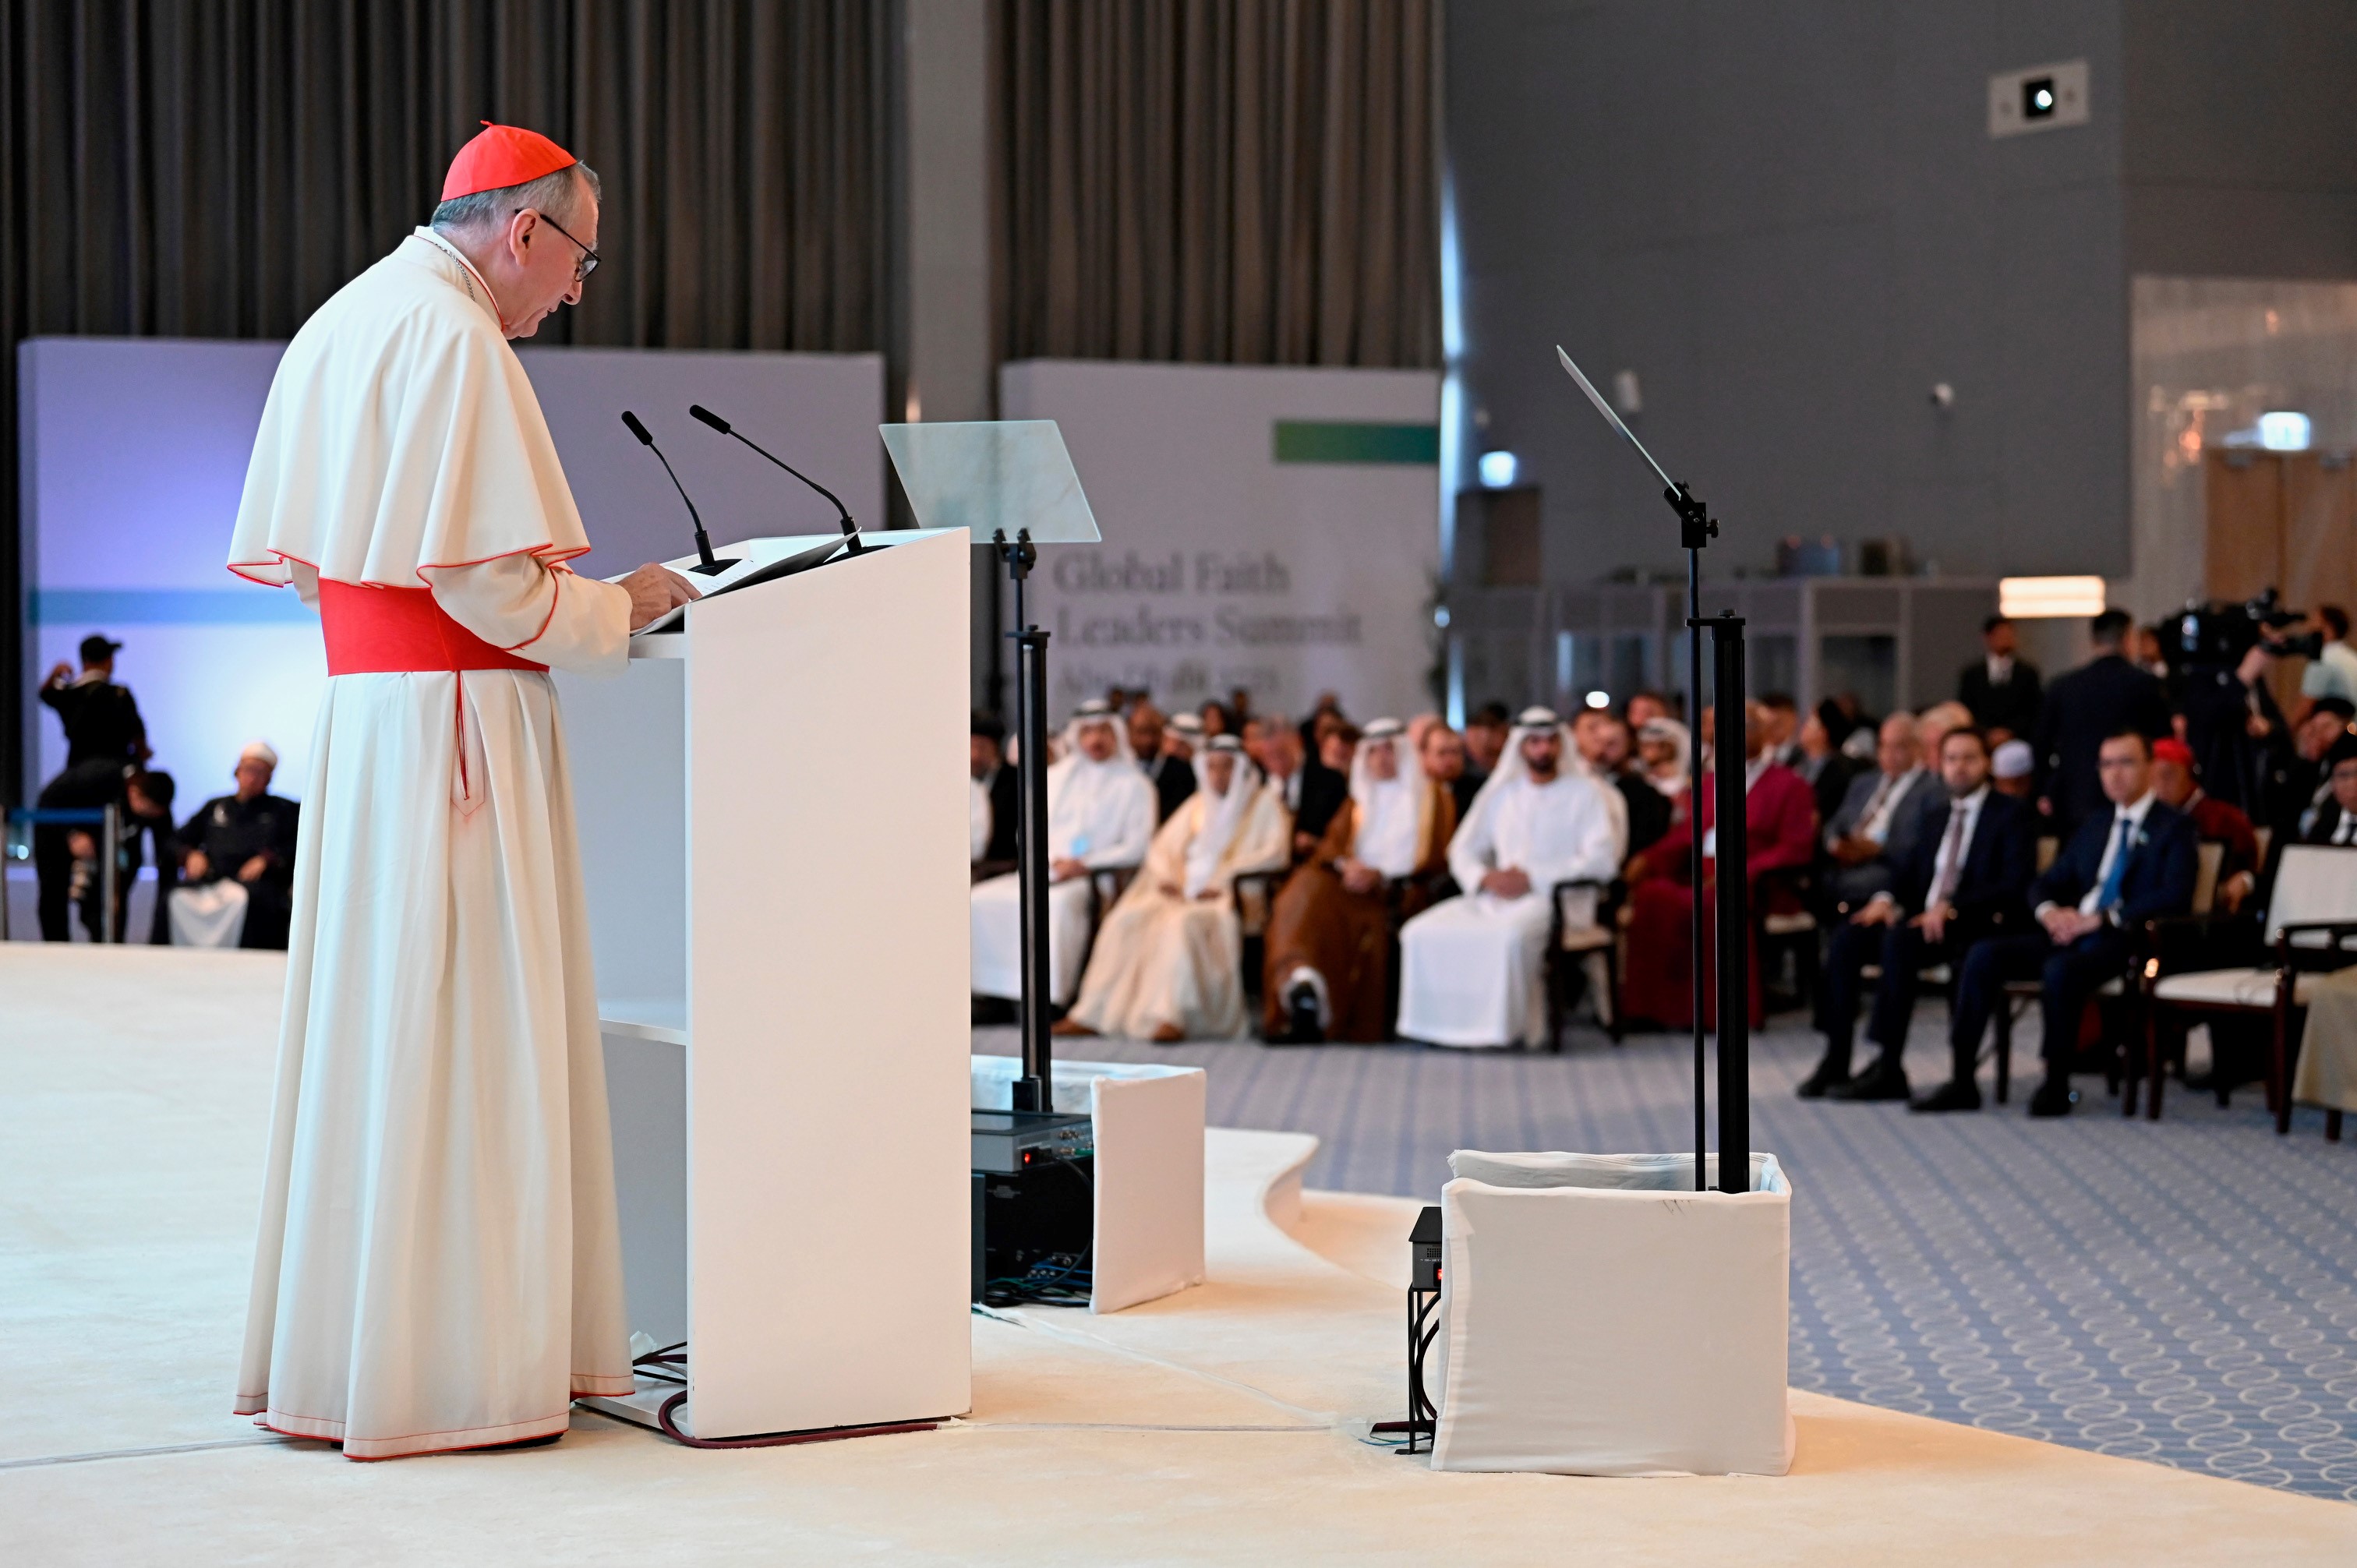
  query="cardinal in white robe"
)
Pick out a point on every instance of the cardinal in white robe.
point(1100, 816)
point(1473, 969)
point(1168, 963)
point(439, 1266)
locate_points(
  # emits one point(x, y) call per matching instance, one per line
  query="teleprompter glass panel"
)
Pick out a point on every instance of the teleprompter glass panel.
point(991, 477)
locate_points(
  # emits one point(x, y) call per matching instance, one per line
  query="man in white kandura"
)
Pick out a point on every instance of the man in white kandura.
point(1169, 964)
point(1472, 970)
point(439, 1266)
point(1100, 814)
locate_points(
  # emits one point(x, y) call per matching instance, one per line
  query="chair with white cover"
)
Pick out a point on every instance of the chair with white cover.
point(2311, 929)
point(1601, 1317)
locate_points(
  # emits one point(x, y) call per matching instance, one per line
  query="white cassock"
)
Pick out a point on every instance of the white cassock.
point(1099, 813)
point(439, 1264)
point(1471, 968)
point(1176, 958)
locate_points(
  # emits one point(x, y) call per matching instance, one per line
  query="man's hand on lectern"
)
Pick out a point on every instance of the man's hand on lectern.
point(655, 591)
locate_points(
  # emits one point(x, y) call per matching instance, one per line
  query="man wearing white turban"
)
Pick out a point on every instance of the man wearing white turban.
point(239, 863)
point(1328, 968)
point(1100, 815)
point(1472, 969)
point(1169, 964)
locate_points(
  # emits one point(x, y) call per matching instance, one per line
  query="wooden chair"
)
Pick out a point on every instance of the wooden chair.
point(1107, 884)
point(2311, 929)
point(1568, 949)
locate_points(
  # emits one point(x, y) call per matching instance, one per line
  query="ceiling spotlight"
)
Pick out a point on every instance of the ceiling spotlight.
point(2038, 98)
point(1600, 699)
point(1498, 470)
point(2047, 598)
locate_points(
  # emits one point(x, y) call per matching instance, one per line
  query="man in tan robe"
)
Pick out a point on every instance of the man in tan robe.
point(1168, 963)
point(1329, 933)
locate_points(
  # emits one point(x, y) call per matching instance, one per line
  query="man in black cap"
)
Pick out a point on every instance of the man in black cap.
point(99, 717)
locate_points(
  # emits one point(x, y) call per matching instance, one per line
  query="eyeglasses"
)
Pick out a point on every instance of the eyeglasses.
point(587, 263)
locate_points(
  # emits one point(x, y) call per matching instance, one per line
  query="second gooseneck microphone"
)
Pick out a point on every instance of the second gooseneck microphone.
point(706, 566)
point(850, 529)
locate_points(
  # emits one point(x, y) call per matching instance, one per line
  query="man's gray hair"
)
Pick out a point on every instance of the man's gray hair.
point(557, 194)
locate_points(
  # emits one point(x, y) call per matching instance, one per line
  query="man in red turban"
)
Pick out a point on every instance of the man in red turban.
point(439, 1263)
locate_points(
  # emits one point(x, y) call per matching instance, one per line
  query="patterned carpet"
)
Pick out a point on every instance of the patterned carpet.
point(2184, 1293)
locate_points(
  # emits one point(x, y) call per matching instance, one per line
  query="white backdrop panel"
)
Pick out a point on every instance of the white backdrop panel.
point(1275, 528)
point(135, 454)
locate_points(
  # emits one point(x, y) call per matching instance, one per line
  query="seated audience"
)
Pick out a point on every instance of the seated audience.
point(1784, 729)
point(2336, 820)
point(1325, 781)
point(1100, 815)
point(2013, 769)
point(986, 759)
point(2297, 784)
point(1605, 746)
point(1328, 967)
point(2131, 863)
point(1663, 756)
point(147, 809)
point(1644, 708)
point(1875, 830)
point(1963, 880)
point(2000, 689)
point(1781, 826)
point(1168, 962)
point(1183, 738)
point(2214, 822)
point(1823, 767)
point(1485, 740)
point(237, 864)
point(1472, 969)
point(1443, 752)
point(1170, 768)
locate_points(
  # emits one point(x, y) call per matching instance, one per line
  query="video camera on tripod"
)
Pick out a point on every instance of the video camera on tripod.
point(2217, 633)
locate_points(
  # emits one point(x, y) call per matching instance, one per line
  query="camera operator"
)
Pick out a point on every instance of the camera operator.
point(2238, 734)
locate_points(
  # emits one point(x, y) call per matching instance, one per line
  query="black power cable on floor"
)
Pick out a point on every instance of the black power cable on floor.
point(669, 1365)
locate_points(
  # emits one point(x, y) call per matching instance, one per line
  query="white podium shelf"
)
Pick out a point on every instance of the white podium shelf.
point(784, 999)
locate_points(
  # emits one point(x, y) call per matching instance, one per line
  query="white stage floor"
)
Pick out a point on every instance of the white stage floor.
point(1215, 1425)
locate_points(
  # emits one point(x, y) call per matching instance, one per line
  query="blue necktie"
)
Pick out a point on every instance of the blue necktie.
point(2110, 896)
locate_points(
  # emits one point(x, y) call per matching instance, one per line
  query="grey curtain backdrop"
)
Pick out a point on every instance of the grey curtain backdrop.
point(216, 168)
point(1251, 181)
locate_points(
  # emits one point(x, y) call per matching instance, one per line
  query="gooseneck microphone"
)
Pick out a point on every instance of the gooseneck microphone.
point(850, 529)
point(707, 566)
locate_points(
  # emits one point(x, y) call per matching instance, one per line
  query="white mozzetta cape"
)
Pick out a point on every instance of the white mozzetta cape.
point(402, 434)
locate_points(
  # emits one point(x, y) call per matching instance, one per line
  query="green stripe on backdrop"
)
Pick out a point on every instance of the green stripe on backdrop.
point(1351, 441)
point(103, 607)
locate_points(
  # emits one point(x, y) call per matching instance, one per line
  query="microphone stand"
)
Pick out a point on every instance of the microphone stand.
point(1696, 529)
point(1035, 1090)
point(850, 529)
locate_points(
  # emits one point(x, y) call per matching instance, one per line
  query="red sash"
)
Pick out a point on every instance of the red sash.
point(400, 631)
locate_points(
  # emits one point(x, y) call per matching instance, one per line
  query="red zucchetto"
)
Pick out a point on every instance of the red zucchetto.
point(500, 156)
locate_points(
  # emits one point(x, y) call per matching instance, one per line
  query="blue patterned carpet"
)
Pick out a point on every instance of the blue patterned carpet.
point(2184, 1293)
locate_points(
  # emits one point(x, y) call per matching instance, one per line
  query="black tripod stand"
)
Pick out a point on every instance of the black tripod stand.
point(1033, 1090)
point(1696, 529)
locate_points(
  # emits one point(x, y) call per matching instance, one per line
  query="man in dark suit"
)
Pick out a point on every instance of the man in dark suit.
point(2335, 822)
point(1170, 769)
point(1880, 821)
point(2130, 864)
point(986, 755)
point(1963, 880)
point(2295, 787)
point(2001, 687)
point(2101, 697)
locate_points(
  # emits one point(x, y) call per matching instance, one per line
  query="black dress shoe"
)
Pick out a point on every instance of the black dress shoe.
point(1956, 1094)
point(1885, 1080)
point(1830, 1075)
point(1301, 1012)
point(2053, 1098)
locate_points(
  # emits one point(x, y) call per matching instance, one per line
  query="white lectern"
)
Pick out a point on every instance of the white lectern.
point(774, 835)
